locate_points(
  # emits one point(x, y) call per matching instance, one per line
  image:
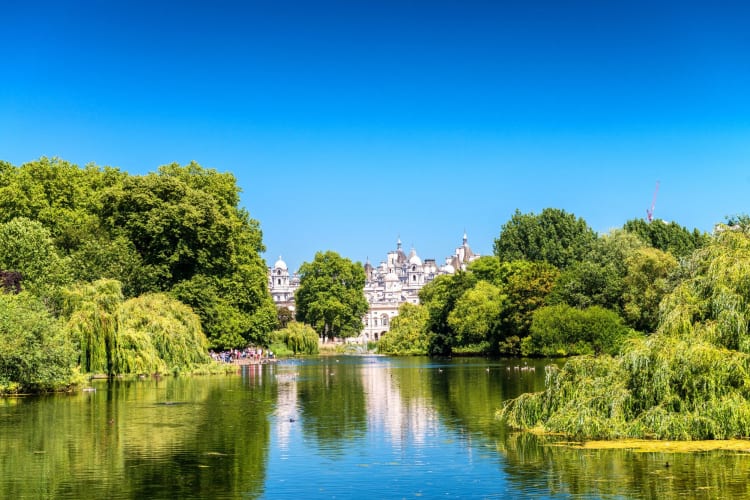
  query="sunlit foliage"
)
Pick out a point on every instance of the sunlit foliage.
point(298, 338)
point(691, 380)
point(408, 334)
point(35, 354)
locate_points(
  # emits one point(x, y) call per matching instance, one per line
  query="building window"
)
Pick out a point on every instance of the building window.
point(278, 272)
point(279, 281)
point(414, 277)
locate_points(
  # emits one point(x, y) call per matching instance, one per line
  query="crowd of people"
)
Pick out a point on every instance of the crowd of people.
point(247, 355)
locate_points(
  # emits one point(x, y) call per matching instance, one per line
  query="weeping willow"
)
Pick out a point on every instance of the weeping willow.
point(690, 380)
point(153, 333)
point(299, 338)
point(172, 329)
point(92, 310)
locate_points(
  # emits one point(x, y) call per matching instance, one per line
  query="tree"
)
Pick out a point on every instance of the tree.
point(476, 317)
point(667, 236)
point(563, 330)
point(298, 338)
point(26, 246)
point(588, 283)
point(408, 333)
point(486, 268)
point(35, 354)
point(647, 282)
point(553, 236)
point(331, 297)
point(527, 286)
point(439, 298)
point(153, 333)
point(193, 240)
point(285, 316)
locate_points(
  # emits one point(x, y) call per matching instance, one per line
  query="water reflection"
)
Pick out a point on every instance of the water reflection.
point(322, 428)
point(535, 462)
point(171, 438)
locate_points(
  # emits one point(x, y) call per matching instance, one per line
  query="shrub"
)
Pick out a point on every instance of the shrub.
point(562, 330)
point(35, 355)
point(299, 338)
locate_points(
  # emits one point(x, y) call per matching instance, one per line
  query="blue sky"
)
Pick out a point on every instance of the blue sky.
point(351, 123)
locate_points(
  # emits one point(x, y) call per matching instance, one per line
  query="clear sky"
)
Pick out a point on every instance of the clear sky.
point(351, 123)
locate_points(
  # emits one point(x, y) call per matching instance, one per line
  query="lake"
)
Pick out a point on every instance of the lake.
point(326, 427)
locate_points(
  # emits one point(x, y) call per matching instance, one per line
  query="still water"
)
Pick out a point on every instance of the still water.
point(329, 427)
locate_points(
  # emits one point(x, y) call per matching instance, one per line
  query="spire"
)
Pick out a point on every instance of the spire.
point(398, 243)
point(466, 238)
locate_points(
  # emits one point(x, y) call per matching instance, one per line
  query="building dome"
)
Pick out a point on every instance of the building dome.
point(414, 258)
point(280, 264)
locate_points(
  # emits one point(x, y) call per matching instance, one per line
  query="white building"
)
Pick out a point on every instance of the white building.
point(395, 281)
point(398, 279)
point(281, 285)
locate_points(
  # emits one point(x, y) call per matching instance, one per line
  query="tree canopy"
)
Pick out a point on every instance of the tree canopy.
point(179, 230)
point(554, 236)
point(331, 296)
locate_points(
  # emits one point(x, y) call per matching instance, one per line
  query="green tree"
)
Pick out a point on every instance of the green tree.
point(476, 317)
point(408, 334)
point(563, 330)
point(554, 236)
point(26, 246)
point(486, 268)
point(189, 233)
point(331, 296)
point(157, 333)
point(92, 312)
point(285, 316)
point(527, 286)
point(298, 338)
point(439, 298)
point(647, 282)
point(585, 284)
point(667, 236)
point(35, 354)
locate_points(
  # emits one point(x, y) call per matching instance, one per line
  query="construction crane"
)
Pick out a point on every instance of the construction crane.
point(650, 211)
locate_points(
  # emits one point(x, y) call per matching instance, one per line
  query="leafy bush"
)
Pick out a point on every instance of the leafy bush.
point(408, 335)
point(562, 330)
point(153, 333)
point(35, 355)
point(299, 338)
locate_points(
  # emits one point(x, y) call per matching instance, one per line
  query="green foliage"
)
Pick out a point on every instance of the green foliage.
point(562, 330)
point(61, 196)
point(527, 286)
point(93, 314)
point(487, 268)
point(554, 236)
point(439, 298)
point(298, 338)
point(477, 314)
point(27, 247)
point(712, 299)
point(285, 316)
point(35, 355)
point(153, 333)
point(648, 280)
point(153, 233)
point(586, 284)
point(331, 295)
point(691, 380)
point(408, 334)
point(668, 237)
